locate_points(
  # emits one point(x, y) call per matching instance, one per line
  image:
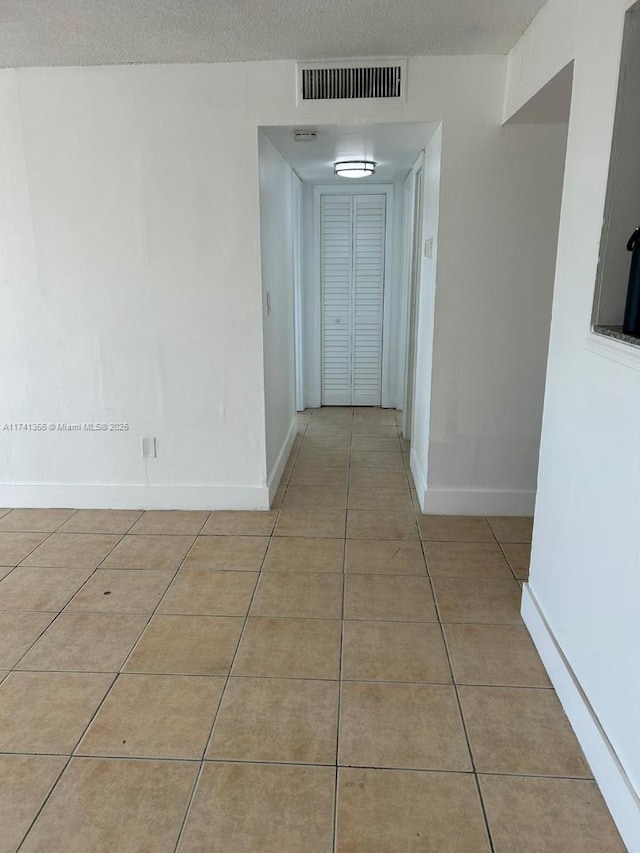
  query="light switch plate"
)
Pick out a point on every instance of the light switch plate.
point(149, 449)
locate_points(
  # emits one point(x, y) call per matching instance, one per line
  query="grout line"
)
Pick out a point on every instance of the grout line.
point(226, 677)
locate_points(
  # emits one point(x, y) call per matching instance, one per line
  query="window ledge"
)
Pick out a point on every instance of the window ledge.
point(610, 342)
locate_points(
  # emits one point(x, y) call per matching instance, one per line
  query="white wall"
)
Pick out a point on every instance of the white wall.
point(129, 227)
point(276, 221)
point(493, 312)
point(582, 601)
point(131, 277)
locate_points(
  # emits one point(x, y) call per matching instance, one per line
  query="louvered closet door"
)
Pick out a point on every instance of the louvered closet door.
point(352, 272)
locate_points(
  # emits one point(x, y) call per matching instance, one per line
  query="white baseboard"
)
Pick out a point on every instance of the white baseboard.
point(275, 475)
point(477, 502)
point(419, 478)
point(97, 496)
point(619, 794)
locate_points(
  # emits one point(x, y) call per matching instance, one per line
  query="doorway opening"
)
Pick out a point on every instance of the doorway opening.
point(357, 262)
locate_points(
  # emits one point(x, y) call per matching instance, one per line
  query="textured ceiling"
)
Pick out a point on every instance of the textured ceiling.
point(97, 32)
point(394, 147)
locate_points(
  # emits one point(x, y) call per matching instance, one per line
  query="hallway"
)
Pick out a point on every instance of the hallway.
point(297, 681)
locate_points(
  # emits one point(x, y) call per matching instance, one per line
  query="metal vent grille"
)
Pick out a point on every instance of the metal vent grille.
point(348, 83)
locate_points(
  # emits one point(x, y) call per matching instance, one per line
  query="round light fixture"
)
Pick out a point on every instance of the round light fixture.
point(354, 168)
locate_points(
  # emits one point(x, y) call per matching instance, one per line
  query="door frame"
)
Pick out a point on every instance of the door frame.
point(411, 274)
point(369, 189)
point(298, 309)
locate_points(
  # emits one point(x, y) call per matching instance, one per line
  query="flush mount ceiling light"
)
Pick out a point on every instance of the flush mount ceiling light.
point(354, 168)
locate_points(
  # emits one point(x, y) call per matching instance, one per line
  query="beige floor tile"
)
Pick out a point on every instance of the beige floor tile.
point(494, 601)
point(310, 476)
point(370, 524)
point(372, 442)
point(242, 553)
point(40, 589)
point(154, 716)
point(148, 552)
point(85, 642)
point(3, 674)
point(121, 591)
point(466, 560)
point(14, 547)
point(207, 592)
point(271, 719)
point(72, 551)
point(323, 523)
point(370, 427)
point(498, 655)
point(519, 557)
point(289, 648)
point(323, 458)
point(102, 804)
point(187, 645)
point(520, 730)
point(380, 811)
point(315, 497)
point(25, 781)
point(454, 528)
point(377, 459)
point(394, 651)
point(300, 594)
point(223, 523)
point(18, 631)
point(512, 528)
point(170, 521)
point(388, 598)
point(304, 554)
point(261, 808)
point(384, 556)
point(4, 571)
point(410, 726)
point(551, 815)
point(47, 712)
point(370, 478)
point(101, 521)
point(35, 520)
point(388, 500)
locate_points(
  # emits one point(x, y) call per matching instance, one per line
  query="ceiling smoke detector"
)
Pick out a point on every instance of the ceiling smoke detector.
point(305, 136)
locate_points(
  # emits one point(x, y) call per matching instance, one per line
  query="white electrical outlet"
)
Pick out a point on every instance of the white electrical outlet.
point(428, 248)
point(149, 449)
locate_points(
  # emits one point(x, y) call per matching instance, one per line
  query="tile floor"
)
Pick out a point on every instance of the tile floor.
point(338, 674)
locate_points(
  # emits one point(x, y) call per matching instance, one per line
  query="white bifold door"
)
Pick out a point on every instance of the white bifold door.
point(352, 264)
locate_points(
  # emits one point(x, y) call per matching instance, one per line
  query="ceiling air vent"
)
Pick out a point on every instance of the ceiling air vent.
point(349, 81)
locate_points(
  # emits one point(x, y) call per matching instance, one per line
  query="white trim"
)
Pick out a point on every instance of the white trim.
point(619, 794)
point(298, 312)
point(411, 284)
point(132, 496)
point(319, 190)
point(477, 501)
point(419, 478)
point(275, 475)
point(614, 349)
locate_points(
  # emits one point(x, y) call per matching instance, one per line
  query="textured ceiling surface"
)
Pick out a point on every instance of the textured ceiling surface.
point(394, 147)
point(97, 32)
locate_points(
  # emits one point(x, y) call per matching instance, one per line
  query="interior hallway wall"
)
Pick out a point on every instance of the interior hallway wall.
point(581, 603)
point(492, 316)
point(276, 240)
point(131, 276)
